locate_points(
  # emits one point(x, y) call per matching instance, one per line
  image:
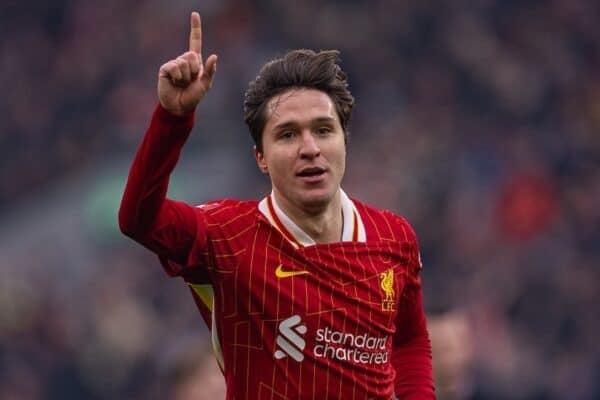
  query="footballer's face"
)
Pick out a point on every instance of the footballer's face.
point(304, 149)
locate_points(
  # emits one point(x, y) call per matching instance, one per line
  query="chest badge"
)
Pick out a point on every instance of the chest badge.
point(281, 273)
point(387, 285)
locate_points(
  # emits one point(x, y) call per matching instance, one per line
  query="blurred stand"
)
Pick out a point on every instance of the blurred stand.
point(478, 122)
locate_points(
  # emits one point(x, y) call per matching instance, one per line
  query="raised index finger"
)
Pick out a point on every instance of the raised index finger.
point(196, 33)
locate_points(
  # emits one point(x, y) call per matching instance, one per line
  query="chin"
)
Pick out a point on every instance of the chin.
point(315, 201)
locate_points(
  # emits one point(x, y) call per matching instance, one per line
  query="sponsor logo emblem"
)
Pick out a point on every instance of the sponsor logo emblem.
point(289, 340)
point(281, 273)
point(387, 285)
point(350, 347)
point(330, 344)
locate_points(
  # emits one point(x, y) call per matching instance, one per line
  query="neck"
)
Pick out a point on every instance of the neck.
point(322, 224)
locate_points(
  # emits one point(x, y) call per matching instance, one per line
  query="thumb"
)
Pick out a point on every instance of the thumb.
point(210, 68)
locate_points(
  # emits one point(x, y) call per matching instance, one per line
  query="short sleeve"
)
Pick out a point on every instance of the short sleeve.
point(198, 259)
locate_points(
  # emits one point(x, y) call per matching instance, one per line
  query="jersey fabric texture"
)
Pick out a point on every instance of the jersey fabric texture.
point(289, 318)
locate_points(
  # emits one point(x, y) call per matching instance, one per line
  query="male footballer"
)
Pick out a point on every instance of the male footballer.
point(308, 293)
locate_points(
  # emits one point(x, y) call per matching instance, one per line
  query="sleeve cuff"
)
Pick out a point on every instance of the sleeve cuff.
point(167, 116)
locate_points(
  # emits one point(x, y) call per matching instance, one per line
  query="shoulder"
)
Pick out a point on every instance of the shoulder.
point(227, 208)
point(384, 223)
point(388, 226)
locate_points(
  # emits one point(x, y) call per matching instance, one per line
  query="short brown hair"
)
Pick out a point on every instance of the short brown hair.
point(297, 69)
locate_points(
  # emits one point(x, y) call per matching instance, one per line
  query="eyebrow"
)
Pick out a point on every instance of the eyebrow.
point(318, 120)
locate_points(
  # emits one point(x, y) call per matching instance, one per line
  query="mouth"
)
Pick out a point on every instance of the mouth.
point(311, 171)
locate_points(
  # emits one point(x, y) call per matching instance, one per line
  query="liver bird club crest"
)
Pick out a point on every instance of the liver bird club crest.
point(387, 285)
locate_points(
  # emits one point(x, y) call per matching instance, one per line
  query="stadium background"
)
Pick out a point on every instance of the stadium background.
point(478, 122)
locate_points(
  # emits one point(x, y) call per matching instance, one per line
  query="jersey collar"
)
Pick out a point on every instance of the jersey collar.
point(354, 230)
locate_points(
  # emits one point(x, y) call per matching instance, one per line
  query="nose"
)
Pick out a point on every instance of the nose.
point(309, 148)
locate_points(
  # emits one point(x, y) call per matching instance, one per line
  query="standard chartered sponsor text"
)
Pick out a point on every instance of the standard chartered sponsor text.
point(362, 349)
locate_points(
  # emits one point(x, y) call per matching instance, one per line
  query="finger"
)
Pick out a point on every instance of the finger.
point(171, 71)
point(184, 67)
point(194, 63)
point(210, 69)
point(196, 33)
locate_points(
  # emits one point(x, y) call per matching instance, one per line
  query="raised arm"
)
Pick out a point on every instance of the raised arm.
point(165, 226)
point(184, 81)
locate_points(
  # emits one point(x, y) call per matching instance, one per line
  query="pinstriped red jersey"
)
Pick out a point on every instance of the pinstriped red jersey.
point(290, 318)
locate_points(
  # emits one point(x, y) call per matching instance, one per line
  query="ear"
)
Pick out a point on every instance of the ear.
point(260, 160)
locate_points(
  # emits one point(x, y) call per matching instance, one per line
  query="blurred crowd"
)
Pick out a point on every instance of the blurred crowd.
point(477, 121)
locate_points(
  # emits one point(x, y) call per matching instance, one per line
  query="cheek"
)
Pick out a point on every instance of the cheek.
point(339, 158)
point(342, 164)
point(278, 163)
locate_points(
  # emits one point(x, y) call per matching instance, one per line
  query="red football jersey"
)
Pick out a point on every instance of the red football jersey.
point(290, 318)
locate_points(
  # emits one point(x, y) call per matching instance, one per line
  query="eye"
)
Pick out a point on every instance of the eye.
point(286, 135)
point(324, 130)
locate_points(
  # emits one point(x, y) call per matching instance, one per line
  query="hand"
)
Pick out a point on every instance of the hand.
point(184, 81)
